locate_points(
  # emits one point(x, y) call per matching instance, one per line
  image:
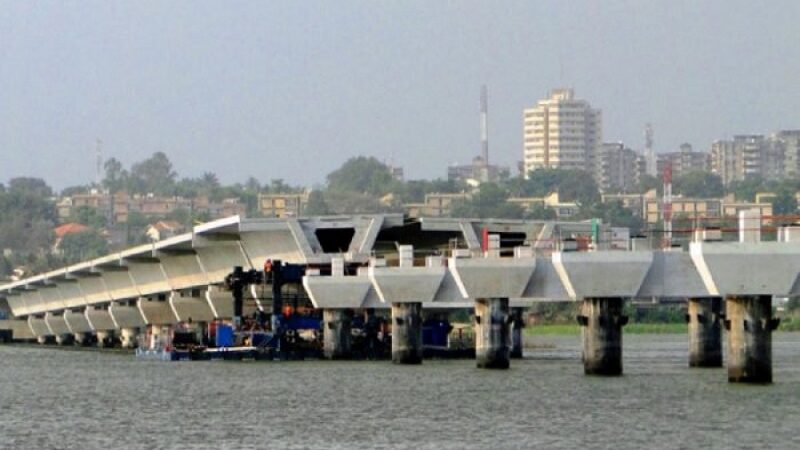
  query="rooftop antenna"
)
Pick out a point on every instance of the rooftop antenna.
point(485, 125)
point(98, 170)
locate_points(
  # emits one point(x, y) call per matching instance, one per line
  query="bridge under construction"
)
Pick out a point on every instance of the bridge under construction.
point(401, 268)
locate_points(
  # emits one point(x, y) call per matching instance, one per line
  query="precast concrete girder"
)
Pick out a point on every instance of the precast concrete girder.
point(545, 283)
point(56, 323)
point(274, 239)
point(99, 319)
point(180, 264)
point(187, 307)
point(492, 277)
point(756, 268)
point(15, 303)
point(367, 229)
point(51, 298)
point(119, 284)
point(71, 293)
point(77, 321)
point(94, 288)
point(20, 329)
point(157, 311)
point(218, 254)
point(407, 284)
point(147, 275)
point(30, 301)
point(672, 275)
point(220, 301)
point(602, 274)
point(338, 292)
point(39, 327)
point(126, 315)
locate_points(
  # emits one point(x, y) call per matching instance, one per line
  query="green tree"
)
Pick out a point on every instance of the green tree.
point(489, 201)
point(28, 216)
point(784, 202)
point(541, 212)
point(316, 205)
point(154, 175)
point(116, 177)
point(88, 216)
point(614, 214)
point(361, 174)
point(699, 184)
point(84, 245)
point(746, 190)
point(649, 182)
point(572, 186)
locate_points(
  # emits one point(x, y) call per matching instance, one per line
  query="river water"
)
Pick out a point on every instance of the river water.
point(51, 398)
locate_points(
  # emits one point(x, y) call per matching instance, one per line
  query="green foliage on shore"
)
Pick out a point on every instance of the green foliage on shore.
point(633, 328)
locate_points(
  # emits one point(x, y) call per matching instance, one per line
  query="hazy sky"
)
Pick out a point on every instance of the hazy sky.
point(292, 89)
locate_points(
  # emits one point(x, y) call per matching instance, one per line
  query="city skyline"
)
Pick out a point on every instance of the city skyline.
point(241, 91)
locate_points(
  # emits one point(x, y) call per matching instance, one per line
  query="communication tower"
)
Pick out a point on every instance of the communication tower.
point(98, 169)
point(649, 153)
point(666, 209)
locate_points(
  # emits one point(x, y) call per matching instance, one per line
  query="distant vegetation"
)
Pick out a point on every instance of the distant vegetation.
point(361, 185)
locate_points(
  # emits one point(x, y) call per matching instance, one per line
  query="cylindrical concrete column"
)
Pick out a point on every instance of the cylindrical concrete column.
point(407, 333)
point(337, 334)
point(517, 325)
point(128, 337)
point(602, 322)
point(105, 338)
point(492, 333)
point(748, 319)
point(83, 338)
point(64, 339)
point(704, 316)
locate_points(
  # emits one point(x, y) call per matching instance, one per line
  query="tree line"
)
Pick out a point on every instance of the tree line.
point(361, 185)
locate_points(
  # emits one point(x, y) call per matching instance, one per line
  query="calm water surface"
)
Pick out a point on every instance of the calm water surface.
point(58, 399)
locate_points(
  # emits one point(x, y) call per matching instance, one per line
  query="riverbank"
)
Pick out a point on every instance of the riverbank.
point(633, 328)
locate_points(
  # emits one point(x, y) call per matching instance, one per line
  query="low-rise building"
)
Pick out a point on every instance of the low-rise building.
point(633, 202)
point(436, 204)
point(282, 205)
point(703, 208)
point(562, 209)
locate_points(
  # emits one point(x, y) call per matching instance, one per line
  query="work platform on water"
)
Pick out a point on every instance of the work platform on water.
point(388, 262)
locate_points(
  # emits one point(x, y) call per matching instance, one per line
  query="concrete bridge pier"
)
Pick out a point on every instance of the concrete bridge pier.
point(517, 326)
point(704, 317)
point(602, 322)
point(65, 339)
point(336, 333)
point(105, 338)
point(83, 338)
point(750, 324)
point(128, 337)
point(407, 333)
point(492, 333)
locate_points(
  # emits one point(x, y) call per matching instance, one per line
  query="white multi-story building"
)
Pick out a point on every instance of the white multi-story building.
point(561, 132)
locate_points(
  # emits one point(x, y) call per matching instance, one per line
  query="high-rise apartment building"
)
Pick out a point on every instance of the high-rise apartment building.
point(561, 132)
point(618, 168)
point(684, 161)
point(788, 144)
point(750, 156)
